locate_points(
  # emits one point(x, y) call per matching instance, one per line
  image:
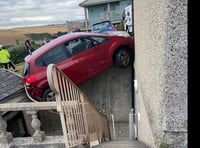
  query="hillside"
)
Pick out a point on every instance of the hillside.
point(9, 36)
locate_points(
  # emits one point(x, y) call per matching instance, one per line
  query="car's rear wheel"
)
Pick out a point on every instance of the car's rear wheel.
point(48, 95)
point(123, 58)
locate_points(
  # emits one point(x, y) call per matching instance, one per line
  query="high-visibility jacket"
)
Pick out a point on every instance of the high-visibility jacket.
point(4, 56)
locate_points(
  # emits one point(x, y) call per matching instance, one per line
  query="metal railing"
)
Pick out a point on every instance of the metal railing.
point(114, 16)
point(81, 122)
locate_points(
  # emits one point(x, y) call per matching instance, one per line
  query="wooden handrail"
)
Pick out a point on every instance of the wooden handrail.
point(27, 106)
point(81, 122)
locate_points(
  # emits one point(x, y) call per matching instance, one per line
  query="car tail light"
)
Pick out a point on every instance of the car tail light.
point(28, 81)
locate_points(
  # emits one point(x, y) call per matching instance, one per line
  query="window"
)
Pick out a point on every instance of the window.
point(80, 45)
point(54, 55)
point(99, 40)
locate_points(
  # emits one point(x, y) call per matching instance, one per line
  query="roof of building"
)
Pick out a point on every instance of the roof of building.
point(11, 85)
point(95, 2)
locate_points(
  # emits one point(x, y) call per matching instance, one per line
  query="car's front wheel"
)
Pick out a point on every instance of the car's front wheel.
point(48, 95)
point(123, 58)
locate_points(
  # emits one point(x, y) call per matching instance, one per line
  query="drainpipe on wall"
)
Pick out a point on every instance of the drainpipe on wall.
point(108, 7)
point(133, 117)
point(133, 134)
point(113, 126)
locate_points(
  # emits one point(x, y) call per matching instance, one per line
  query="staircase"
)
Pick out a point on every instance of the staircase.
point(122, 139)
point(97, 134)
point(121, 144)
point(96, 123)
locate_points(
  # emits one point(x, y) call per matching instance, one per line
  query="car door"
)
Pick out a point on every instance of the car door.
point(79, 66)
point(87, 59)
point(100, 53)
point(83, 58)
point(94, 58)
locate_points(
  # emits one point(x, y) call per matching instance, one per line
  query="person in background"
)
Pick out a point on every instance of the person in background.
point(28, 45)
point(45, 40)
point(128, 22)
point(5, 58)
point(54, 36)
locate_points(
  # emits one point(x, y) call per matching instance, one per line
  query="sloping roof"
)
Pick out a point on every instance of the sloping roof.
point(95, 2)
point(11, 85)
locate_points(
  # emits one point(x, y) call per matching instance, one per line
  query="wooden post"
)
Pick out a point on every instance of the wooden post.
point(85, 119)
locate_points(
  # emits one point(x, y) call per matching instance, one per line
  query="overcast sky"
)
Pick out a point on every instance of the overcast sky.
point(24, 13)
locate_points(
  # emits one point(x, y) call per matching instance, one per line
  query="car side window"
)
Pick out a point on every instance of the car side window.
point(99, 40)
point(55, 55)
point(71, 45)
point(79, 45)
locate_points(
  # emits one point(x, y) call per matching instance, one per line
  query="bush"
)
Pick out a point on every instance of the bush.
point(120, 27)
point(19, 52)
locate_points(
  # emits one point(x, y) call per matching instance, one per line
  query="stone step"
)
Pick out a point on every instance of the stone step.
point(121, 144)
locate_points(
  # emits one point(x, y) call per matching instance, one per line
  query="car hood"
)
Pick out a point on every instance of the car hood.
point(117, 33)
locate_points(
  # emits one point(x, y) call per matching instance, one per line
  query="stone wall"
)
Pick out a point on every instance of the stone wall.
point(160, 28)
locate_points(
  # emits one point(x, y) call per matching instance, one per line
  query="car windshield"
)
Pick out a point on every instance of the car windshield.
point(101, 25)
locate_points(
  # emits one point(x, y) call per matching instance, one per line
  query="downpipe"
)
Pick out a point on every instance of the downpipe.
point(133, 130)
point(113, 126)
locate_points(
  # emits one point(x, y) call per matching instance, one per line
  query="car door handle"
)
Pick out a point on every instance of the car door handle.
point(79, 61)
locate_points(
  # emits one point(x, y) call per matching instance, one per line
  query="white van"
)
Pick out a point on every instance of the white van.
point(127, 19)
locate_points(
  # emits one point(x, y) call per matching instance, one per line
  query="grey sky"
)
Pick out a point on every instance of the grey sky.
point(24, 13)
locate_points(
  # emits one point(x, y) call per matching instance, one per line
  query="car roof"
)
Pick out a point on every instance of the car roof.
point(60, 40)
point(101, 22)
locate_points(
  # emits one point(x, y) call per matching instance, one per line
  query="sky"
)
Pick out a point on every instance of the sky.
point(25, 13)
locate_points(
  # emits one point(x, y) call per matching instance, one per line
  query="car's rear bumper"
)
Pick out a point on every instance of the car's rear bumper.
point(35, 93)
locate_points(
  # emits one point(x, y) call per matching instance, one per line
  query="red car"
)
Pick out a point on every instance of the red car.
point(79, 55)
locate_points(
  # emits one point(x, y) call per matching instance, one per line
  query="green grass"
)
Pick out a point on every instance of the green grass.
point(19, 68)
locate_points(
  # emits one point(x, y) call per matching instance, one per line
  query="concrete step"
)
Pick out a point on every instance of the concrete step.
point(121, 144)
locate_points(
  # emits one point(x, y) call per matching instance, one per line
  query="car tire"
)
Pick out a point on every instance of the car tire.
point(48, 95)
point(123, 58)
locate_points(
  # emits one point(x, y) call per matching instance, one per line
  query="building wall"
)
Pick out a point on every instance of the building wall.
point(160, 28)
point(101, 12)
point(110, 92)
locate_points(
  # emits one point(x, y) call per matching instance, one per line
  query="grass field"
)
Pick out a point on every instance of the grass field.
point(9, 36)
point(19, 68)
